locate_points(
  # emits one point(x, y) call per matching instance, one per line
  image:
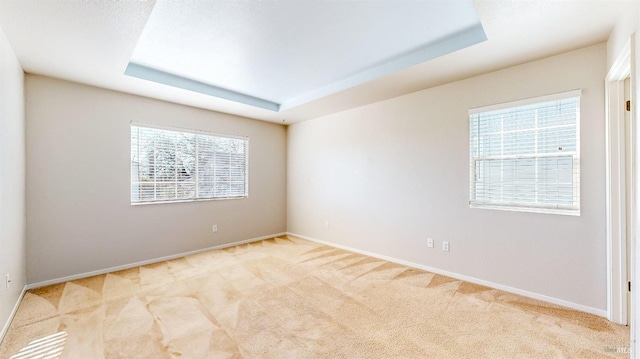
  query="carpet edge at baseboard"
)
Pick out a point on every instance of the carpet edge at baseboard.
point(580, 307)
point(145, 262)
point(5, 328)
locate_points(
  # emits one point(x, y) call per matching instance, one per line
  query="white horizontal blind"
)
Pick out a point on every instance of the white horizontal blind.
point(527, 156)
point(222, 167)
point(173, 165)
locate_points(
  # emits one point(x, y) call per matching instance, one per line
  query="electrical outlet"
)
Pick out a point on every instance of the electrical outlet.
point(445, 246)
point(430, 242)
point(326, 224)
point(215, 228)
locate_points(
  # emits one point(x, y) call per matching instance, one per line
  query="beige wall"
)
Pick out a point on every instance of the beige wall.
point(388, 175)
point(12, 180)
point(624, 27)
point(78, 208)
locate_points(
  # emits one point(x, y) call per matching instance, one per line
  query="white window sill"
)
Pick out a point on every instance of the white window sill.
point(561, 211)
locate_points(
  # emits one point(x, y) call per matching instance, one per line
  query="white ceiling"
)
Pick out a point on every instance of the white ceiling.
point(93, 41)
point(281, 54)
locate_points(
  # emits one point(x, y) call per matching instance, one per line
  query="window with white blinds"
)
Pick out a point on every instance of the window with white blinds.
point(525, 155)
point(178, 165)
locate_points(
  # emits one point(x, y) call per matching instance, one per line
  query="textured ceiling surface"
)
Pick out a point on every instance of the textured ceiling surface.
point(92, 42)
point(287, 53)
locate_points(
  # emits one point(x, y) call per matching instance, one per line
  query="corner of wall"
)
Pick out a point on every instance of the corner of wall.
point(621, 32)
point(12, 184)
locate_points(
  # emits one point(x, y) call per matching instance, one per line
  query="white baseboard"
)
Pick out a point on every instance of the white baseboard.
point(524, 293)
point(12, 314)
point(505, 288)
point(142, 263)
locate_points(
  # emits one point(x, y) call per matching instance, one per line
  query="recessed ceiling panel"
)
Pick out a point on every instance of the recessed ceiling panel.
point(281, 54)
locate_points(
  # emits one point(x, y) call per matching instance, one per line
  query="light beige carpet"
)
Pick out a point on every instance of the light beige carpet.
point(290, 298)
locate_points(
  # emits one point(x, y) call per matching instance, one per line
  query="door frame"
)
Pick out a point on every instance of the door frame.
point(616, 186)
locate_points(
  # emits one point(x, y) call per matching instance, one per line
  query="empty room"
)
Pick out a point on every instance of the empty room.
point(319, 179)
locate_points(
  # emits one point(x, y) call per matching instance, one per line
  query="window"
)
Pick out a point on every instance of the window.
point(176, 165)
point(525, 156)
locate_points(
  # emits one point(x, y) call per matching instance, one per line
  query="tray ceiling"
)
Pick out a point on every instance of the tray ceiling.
point(93, 42)
point(281, 54)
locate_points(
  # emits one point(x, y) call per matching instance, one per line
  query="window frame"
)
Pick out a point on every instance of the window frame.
point(574, 209)
point(183, 130)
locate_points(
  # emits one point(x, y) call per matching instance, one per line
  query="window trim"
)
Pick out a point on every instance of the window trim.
point(572, 210)
point(195, 132)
